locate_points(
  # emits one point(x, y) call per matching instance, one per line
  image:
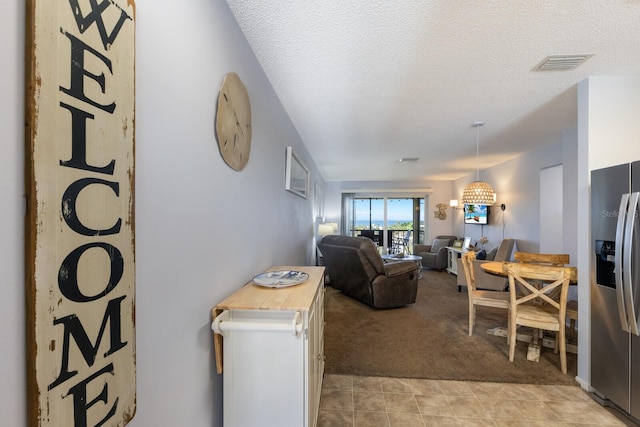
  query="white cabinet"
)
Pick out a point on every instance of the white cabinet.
point(315, 356)
point(270, 351)
point(452, 259)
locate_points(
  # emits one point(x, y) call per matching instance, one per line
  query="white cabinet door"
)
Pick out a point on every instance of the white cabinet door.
point(264, 372)
point(315, 368)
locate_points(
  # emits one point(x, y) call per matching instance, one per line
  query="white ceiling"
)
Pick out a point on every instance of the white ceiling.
point(367, 82)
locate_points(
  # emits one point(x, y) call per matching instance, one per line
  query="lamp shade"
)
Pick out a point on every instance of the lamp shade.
point(478, 193)
point(325, 229)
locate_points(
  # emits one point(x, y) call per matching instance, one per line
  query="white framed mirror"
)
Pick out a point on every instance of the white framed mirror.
point(296, 175)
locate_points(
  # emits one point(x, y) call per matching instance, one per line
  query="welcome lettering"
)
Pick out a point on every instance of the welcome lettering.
point(82, 345)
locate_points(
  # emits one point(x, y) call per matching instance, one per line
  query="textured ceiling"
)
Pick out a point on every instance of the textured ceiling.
point(367, 82)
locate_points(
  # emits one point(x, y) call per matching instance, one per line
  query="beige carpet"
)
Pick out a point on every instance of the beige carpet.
point(429, 339)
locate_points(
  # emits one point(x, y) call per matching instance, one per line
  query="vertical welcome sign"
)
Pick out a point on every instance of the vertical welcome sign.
point(80, 278)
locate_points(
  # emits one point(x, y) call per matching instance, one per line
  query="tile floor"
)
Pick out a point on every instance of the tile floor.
point(372, 401)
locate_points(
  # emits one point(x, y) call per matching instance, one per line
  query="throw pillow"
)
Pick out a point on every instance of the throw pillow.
point(439, 243)
point(481, 255)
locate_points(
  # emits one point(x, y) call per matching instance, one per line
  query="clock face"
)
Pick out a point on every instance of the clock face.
point(233, 122)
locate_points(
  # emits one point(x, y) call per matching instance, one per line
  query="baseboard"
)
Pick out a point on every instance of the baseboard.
point(584, 384)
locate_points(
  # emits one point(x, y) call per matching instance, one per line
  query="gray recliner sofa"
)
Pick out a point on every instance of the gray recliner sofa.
point(435, 255)
point(356, 268)
point(486, 280)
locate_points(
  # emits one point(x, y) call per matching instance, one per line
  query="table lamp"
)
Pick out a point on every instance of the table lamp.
point(325, 229)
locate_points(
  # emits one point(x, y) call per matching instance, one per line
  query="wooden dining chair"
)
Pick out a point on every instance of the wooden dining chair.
point(572, 315)
point(557, 260)
point(530, 284)
point(485, 298)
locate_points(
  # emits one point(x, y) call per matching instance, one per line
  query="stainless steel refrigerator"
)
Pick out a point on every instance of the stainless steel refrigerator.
point(615, 290)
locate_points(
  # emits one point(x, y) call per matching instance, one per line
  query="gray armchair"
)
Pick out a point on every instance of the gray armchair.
point(435, 255)
point(486, 280)
point(356, 268)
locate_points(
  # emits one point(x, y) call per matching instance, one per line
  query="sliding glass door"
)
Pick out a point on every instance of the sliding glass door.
point(368, 219)
point(394, 224)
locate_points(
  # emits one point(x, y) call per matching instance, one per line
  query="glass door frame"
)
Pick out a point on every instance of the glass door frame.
point(348, 224)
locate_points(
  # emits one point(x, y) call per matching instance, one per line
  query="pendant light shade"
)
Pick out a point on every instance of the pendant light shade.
point(478, 192)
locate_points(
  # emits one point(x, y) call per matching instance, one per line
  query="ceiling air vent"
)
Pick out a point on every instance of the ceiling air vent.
point(561, 62)
point(409, 159)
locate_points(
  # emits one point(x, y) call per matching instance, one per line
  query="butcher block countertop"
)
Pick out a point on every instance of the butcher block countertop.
point(294, 298)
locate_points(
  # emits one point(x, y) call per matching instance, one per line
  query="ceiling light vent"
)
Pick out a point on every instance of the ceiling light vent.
point(561, 62)
point(408, 159)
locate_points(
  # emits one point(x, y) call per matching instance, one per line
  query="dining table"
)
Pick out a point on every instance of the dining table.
point(500, 268)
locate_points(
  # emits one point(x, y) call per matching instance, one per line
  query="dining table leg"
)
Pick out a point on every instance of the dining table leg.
point(533, 351)
point(501, 331)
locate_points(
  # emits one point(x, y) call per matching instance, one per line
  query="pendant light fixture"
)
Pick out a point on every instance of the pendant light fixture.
point(478, 192)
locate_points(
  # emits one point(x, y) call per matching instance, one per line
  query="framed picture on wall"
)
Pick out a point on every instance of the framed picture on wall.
point(318, 200)
point(296, 175)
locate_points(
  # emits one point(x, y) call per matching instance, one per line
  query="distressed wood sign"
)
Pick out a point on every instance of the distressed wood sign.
point(80, 257)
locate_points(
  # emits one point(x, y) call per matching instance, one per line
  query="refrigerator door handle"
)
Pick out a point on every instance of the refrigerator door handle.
point(628, 263)
point(620, 235)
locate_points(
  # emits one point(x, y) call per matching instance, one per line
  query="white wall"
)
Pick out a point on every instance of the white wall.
point(551, 218)
point(202, 229)
point(612, 119)
point(571, 188)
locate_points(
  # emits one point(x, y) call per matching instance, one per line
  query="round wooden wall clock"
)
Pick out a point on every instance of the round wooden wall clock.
point(233, 122)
